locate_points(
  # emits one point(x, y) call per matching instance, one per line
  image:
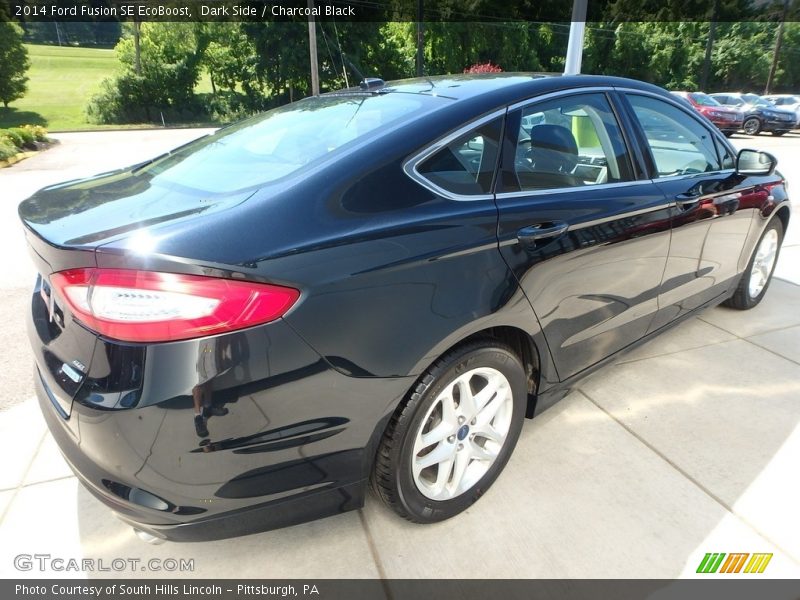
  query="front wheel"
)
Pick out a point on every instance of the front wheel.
point(454, 434)
point(779, 133)
point(752, 126)
point(755, 280)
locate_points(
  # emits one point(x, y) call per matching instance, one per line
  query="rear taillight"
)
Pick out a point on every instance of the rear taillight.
point(145, 306)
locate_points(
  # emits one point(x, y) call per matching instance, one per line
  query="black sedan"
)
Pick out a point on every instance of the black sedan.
point(759, 114)
point(375, 285)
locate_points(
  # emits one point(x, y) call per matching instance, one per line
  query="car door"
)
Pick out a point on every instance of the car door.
point(694, 167)
point(586, 236)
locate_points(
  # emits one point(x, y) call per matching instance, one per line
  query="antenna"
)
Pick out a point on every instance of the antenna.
point(352, 66)
point(338, 43)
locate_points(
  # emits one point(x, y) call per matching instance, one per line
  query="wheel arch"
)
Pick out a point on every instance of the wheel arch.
point(520, 341)
point(783, 214)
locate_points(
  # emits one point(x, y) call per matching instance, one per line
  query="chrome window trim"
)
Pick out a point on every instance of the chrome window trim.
point(574, 188)
point(410, 164)
point(559, 93)
point(693, 175)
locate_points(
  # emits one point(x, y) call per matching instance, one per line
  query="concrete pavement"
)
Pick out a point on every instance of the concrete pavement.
point(687, 445)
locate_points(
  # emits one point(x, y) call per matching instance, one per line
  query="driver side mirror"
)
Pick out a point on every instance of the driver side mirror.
point(755, 162)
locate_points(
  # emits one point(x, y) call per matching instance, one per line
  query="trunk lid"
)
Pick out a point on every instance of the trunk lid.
point(64, 226)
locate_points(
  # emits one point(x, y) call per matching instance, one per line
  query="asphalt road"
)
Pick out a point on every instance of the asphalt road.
point(83, 154)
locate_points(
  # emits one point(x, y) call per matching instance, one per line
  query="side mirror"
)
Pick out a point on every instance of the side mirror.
point(755, 162)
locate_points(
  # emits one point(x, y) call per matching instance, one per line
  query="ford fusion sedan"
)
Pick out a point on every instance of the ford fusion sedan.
point(759, 113)
point(375, 286)
point(728, 119)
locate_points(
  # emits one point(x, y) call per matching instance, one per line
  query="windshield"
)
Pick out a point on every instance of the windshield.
point(277, 143)
point(704, 99)
point(757, 100)
point(732, 101)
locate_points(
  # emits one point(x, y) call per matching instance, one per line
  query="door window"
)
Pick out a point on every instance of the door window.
point(567, 142)
point(680, 145)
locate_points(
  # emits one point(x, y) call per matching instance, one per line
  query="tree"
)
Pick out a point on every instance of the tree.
point(13, 63)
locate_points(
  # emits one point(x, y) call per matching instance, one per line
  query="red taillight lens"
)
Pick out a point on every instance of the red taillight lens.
point(145, 306)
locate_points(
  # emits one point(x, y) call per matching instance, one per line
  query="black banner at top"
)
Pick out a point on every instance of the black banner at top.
point(397, 10)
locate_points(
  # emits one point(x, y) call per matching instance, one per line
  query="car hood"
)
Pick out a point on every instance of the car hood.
point(103, 208)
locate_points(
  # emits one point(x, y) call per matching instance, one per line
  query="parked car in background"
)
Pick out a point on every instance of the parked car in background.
point(377, 284)
point(787, 102)
point(728, 119)
point(759, 113)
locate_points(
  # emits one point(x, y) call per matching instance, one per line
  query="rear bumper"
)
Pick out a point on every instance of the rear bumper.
point(297, 442)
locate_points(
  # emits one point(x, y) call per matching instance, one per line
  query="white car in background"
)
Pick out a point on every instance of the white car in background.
point(787, 102)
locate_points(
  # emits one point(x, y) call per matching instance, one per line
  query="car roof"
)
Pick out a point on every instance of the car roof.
point(498, 88)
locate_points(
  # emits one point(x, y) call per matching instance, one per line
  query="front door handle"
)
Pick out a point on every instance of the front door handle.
point(687, 200)
point(539, 232)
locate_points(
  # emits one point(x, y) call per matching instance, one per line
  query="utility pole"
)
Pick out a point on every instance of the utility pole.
point(420, 39)
point(712, 30)
point(312, 48)
point(777, 51)
point(577, 28)
point(137, 47)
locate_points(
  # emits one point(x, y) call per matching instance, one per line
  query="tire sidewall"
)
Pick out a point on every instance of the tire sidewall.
point(422, 507)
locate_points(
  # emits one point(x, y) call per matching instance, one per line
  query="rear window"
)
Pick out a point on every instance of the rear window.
point(280, 142)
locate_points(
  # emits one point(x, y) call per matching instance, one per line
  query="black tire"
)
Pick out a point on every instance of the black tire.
point(392, 477)
point(741, 298)
point(779, 133)
point(752, 126)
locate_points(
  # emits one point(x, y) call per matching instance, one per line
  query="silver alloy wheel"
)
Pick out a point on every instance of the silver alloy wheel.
point(751, 126)
point(462, 433)
point(763, 263)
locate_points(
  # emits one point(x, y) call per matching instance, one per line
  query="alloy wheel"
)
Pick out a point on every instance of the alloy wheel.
point(763, 263)
point(752, 126)
point(462, 433)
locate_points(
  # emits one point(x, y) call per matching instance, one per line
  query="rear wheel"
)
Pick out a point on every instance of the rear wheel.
point(454, 434)
point(752, 126)
point(755, 280)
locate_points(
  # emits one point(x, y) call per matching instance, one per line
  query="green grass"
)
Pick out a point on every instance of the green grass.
point(62, 79)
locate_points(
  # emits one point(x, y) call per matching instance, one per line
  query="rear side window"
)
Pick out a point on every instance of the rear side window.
point(466, 166)
point(680, 145)
point(568, 142)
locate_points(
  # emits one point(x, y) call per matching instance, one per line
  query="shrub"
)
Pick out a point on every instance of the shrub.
point(11, 136)
point(28, 139)
point(38, 132)
point(7, 149)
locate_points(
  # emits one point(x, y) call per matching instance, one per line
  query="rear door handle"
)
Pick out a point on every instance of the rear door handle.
point(541, 231)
